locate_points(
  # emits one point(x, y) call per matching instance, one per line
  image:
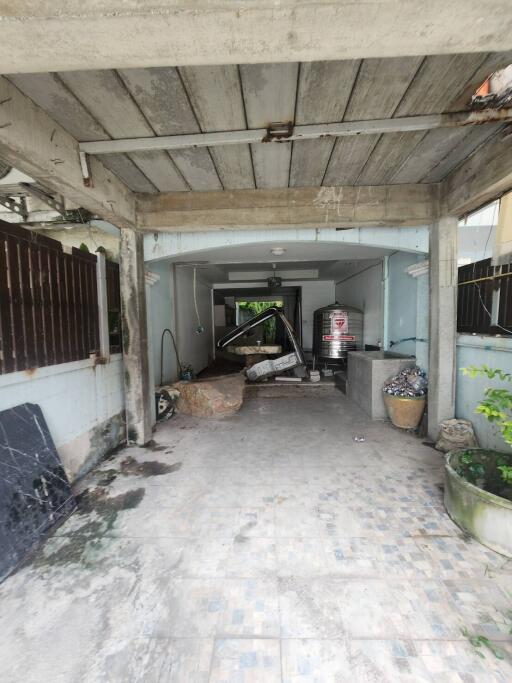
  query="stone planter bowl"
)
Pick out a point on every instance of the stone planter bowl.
point(485, 516)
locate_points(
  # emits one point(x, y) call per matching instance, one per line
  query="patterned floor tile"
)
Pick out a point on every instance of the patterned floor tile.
point(307, 536)
point(246, 661)
point(483, 606)
point(315, 661)
point(458, 558)
point(301, 557)
point(250, 608)
point(310, 608)
point(379, 558)
point(377, 608)
point(251, 558)
point(417, 661)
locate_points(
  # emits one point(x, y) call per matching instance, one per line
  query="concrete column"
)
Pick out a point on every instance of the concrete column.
point(443, 322)
point(137, 384)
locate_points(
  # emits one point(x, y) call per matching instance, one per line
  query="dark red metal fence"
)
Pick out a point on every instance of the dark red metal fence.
point(477, 284)
point(114, 306)
point(48, 301)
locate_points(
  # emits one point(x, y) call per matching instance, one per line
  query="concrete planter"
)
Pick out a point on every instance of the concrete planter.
point(485, 516)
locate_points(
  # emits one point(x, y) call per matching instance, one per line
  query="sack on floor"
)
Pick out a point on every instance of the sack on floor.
point(456, 434)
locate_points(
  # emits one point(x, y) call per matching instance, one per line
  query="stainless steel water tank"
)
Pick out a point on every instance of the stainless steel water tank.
point(337, 329)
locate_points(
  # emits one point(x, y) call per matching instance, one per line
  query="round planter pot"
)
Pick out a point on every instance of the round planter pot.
point(485, 516)
point(404, 411)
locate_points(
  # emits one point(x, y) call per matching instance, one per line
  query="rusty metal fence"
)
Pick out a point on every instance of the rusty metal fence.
point(485, 298)
point(48, 301)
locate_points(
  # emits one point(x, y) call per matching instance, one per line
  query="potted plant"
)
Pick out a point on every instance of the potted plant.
point(478, 482)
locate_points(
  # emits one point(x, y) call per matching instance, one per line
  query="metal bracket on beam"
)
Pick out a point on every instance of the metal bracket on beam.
point(18, 207)
point(86, 169)
point(50, 201)
point(279, 132)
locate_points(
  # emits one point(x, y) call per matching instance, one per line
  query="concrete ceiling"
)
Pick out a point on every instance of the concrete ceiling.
point(99, 105)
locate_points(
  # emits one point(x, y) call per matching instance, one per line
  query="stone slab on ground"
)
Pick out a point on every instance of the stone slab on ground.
point(213, 397)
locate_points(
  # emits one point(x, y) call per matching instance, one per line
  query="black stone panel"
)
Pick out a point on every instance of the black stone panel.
point(34, 490)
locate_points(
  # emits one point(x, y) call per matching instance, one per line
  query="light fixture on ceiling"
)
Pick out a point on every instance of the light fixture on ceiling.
point(277, 251)
point(274, 281)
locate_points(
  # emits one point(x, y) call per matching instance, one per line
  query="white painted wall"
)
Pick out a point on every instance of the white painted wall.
point(315, 294)
point(402, 303)
point(194, 348)
point(82, 404)
point(495, 352)
point(363, 290)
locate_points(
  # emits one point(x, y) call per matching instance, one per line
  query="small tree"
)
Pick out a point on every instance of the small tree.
point(497, 405)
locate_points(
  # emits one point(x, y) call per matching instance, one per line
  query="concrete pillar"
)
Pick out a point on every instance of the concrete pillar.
point(443, 322)
point(137, 384)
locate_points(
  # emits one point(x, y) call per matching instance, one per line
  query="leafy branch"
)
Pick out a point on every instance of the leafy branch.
point(496, 406)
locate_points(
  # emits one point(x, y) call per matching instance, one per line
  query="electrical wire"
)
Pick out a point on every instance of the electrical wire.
point(199, 326)
point(162, 354)
point(488, 312)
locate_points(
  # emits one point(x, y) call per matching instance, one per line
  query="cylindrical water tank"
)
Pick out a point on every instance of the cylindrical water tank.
point(337, 329)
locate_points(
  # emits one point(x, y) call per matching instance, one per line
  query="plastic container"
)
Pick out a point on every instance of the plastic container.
point(405, 412)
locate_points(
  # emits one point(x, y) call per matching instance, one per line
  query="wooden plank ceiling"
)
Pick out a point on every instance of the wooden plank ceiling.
point(100, 105)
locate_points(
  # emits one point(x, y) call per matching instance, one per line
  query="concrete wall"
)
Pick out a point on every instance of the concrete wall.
point(82, 403)
point(495, 352)
point(194, 348)
point(402, 303)
point(315, 294)
point(364, 291)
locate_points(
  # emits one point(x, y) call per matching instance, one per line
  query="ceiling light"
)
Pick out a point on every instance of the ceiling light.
point(277, 251)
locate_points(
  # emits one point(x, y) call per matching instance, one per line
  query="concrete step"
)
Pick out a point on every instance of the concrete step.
point(304, 389)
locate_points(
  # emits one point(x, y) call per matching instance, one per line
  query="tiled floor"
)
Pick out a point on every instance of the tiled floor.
point(266, 547)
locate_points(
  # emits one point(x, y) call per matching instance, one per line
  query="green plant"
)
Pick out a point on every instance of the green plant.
point(506, 473)
point(469, 469)
point(255, 307)
point(496, 406)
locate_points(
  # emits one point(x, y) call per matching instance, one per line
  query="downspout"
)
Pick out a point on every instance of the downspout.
point(385, 303)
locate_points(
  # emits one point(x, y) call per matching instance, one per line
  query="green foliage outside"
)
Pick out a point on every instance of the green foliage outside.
point(496, 407)
point(255, 307)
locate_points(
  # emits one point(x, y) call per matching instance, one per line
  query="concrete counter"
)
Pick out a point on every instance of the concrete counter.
point(366, 373)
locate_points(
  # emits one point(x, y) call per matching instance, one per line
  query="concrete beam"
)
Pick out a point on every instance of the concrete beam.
point(307, 132)
point(303, 207)
point(142, 33)
point(137, 384)
point(443, 322)
point(483, 177)
point(34, 143)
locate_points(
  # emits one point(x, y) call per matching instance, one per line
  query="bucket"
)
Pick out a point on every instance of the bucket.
point(405, 411)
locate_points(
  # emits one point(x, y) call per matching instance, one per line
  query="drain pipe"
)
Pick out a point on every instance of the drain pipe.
point(385, 303)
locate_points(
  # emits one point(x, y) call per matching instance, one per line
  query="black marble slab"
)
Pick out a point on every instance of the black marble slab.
point(34, 490)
